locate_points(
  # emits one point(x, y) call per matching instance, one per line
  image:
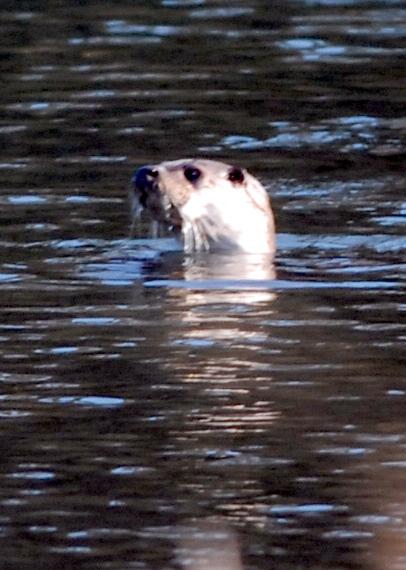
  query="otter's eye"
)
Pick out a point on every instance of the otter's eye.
point(192, 173)
point(236, 175)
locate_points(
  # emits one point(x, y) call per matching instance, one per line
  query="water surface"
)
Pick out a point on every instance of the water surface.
point(145, 392)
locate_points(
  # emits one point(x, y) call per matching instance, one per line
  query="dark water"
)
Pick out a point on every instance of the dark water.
point(142, 393)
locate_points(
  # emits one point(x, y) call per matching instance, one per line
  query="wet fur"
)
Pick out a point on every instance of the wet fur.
point(224, 209)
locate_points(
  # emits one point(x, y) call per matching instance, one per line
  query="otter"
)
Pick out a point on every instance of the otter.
point(213, 206)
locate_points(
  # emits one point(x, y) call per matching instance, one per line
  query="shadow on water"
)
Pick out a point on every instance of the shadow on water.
point(155, 406)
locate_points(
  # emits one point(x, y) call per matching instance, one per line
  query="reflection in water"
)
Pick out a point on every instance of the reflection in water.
point(208, 545)
point(238, 268)
point(389, 522)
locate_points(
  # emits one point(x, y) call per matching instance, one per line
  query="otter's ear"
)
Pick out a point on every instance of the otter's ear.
point(236, 175)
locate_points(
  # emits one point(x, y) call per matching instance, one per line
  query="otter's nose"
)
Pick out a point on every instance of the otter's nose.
point(144, 177)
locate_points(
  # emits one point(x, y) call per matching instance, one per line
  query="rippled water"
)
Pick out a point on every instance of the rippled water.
point(145, 392)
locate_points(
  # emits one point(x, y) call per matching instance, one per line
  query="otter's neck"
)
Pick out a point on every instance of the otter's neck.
point(227, 224)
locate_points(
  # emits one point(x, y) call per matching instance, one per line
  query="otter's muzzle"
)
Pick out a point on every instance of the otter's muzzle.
point(145, 183)
point(149, 195)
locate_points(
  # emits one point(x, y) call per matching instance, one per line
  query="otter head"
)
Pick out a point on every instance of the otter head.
point(214, 206)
